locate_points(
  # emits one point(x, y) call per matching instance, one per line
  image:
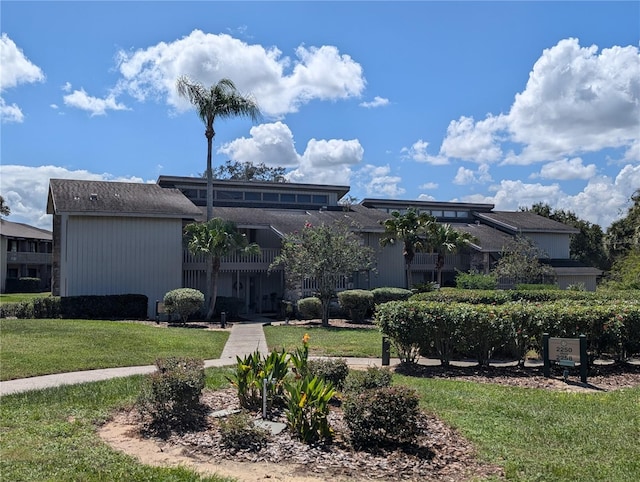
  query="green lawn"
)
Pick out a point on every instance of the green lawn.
point(17, 297)
point(39, 347)
point(541, 435)
point(332, 341)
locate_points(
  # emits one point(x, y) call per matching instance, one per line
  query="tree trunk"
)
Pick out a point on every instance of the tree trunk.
point(212, 286)
point(326, 305)
point(409, 277)
point(209, 135)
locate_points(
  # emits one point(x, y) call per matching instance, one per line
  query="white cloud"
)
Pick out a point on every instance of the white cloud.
point(16, 69)
point(271, 144)
point(10, 113)
point(94, 105)
point(377, 182)
point(279, 83)
point(25, 189)
point(576, 101)
point(426, 197)
point(567, 169)
point(376, 102)
point(467, 176)
point(474, 141)
point(429, 185)
point(418, 152)
point(602, 201)
point(328, 162)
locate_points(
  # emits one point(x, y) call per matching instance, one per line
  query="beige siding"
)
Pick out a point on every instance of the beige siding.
point(555, 246)
point(109, 255)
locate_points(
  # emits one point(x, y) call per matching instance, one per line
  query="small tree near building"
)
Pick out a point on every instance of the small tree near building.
point(520, 262)
point(184, 302)
point(326, 254)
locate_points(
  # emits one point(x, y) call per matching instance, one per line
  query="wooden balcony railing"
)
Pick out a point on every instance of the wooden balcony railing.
point(25, 257)
point(233, 262)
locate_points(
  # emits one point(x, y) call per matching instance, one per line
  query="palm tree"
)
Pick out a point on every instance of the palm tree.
point(443, 239)
point(214, 239)
point(220, 100)
point(410, 229)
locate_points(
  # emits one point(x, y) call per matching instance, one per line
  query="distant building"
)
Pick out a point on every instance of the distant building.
point(25, 252)
point(117, 238)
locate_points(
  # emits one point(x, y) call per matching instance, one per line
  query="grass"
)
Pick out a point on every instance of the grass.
point(40, 347)
point(331, 341)
point(540, 435)
point(536, 435)
point(52, 435)
point(17, 297)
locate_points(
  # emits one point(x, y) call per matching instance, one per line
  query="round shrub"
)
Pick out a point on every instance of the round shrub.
point(310, 308)
point(357, 303)
point(382, 295)
point(382, 416)
point(239, 432)
point(330, 370)
point(358, 381)
point(183, 302)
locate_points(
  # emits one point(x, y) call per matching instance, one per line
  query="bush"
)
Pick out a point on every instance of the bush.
point(45, 307)
point(382, 416)
point(230, 305)
point(109, 307)
point(310, 308)
point(403, 323)
point(334, 371)
point(239, 432)
point(385, 294)
point(357, 303)
point(171, 398)
point(476, 281)
point(23, 285)
point(361, 380)
point(183, 302)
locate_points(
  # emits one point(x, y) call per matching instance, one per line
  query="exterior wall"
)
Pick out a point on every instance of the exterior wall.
point(589, 281)
point(389, 264)
point(117, 255)
point(555, 246)
point(3, 264)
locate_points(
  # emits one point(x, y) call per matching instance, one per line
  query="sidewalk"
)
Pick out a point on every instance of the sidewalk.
point(245, 338)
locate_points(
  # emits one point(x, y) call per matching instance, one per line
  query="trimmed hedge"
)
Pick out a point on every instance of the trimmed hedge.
point(475, 330)
point(23, 285)
point(45, 307)
point(382, 295)
point(357, 303)
point(108, 307)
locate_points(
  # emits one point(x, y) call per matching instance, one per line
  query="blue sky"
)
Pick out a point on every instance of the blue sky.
point(510, 103)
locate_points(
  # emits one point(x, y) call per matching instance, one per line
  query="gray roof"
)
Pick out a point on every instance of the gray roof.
point(487, 239)
point(10, 229)
point(524, 222)
point(121, 198)
point(285, 221)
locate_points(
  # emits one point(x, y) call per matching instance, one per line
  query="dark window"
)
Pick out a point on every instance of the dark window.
point(304, 198)
point(287, 198)
point(449, 214)
point(252, 196)
point(320, 199)
point(235, 195)
point(203, 193)
point(190, 193)
point(270, 196)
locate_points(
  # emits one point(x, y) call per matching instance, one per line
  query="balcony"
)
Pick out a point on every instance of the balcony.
point(235, 262)
point(427, 262)
point(26, 257)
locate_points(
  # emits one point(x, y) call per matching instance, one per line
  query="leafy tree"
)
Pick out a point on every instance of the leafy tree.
point(410, 229)
point(520, 261)
point(587, 246)
point(221, 100)
point(625, 272)
point(5, 210)
point(248, 171)
point(325, 253)
point(623, 235)
point(443, 239)
point(215, 239)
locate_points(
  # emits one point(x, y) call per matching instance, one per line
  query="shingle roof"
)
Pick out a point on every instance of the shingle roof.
point(286, 221)
point(524, 222)
point(122, 198)
point(10, 229)
point(487, 239)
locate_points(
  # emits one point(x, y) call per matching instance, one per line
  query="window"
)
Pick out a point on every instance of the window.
point(304, 198)
point(462, 214)
point(252, 196)
point(270, 196)
point(234, 195)
point(203, 193)
point(436, 213)
point(287, 198)
point(449, 214)
point(190, 193)
point(320, 199)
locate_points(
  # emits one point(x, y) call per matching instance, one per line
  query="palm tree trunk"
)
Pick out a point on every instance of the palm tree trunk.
point(209, 272)
point(212, 286)
point(409, 276)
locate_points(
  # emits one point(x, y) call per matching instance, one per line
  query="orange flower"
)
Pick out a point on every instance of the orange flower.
point(305, 338)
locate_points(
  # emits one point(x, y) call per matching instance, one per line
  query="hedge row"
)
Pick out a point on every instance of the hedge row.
point(445, 329)
point(498, 297)
point(78, 307)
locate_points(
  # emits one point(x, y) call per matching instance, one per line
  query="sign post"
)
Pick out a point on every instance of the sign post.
point(566, 352)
